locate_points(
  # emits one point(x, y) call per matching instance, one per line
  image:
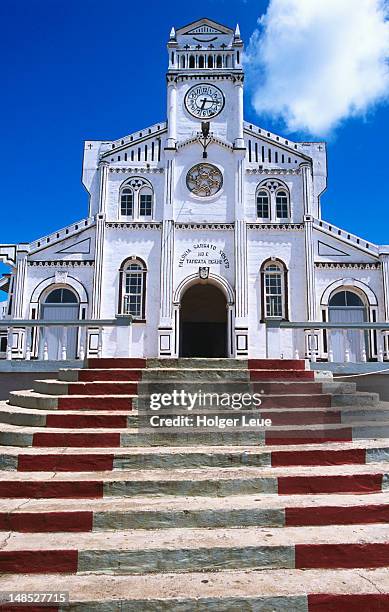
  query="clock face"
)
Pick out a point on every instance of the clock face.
point(204, 180)
point(204, 101)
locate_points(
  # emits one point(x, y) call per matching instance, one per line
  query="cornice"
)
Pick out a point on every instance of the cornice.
point(140, 170)
point(274, 171)
point(205, 226)
point(133, 225)
point(327, 265)
point(283, 227)
point(62, 263)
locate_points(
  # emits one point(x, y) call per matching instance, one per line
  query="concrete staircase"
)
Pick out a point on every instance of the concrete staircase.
point(289, 518)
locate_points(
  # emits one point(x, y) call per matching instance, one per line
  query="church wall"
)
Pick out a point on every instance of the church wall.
point(191, 208)
point(223, 126)
point(117, 179)
point(292, 181)
point(288, 246)
point(120, 244)
point(56, 274)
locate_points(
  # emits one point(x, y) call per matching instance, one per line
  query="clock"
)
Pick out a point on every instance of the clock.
point(204, 180)
point(204, 101)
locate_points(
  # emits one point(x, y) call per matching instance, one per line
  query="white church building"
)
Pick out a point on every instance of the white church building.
point(206, 229)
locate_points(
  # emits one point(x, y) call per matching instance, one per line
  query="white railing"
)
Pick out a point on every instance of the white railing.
point(332, 342)
point(29, 339)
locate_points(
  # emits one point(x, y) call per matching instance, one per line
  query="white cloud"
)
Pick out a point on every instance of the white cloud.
point(314, 63)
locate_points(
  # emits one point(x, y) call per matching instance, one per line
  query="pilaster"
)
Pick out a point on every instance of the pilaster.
point(172, 111)
point(103, 167)
point(239, 139)
point(98, 272)
point(384, 259)
point(166, 323)
point(310, 268)
point(240, 256)
point(306, 171)
point(20, 279)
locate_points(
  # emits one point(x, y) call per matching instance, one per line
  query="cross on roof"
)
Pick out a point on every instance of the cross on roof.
point(198, 46)
point(187, 47)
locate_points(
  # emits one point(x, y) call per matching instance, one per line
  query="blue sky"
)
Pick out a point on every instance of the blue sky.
point(87, 69)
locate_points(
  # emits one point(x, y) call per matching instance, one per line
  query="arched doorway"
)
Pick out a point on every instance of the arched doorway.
point(347, 307)
point(60, 304)
point(203, 322)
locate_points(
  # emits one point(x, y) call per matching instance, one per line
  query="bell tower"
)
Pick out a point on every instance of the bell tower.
point(205, 82)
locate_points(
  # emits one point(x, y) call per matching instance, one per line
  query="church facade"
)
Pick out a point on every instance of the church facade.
point(206, 229)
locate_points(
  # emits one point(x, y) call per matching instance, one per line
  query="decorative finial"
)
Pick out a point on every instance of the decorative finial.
point(237, 31)
point(172, 33)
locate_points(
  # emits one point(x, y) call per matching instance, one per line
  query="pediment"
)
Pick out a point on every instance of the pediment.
point(204, 27)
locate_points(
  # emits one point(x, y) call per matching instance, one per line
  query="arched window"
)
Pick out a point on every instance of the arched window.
point(274, 289)
point(127, 202)
point(182, 61)
point(146, 202)
point(191, 61)
point(263, 204)
point(201, 61)
point(61, 296)
point(282, 204)
point(136, 199)
point(346, 306)
point(219, 61)
point(227, 61)
point(210, 61)
point(132, 278)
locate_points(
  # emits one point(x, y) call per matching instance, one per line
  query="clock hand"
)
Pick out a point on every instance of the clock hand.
point(204, 100)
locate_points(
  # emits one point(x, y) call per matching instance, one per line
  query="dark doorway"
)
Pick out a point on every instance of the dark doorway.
point(203, 316)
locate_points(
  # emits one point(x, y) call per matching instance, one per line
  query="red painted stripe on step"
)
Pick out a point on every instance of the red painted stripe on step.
point(290, 387)
point(349, 483)
point(109, 363)
point(84, 421)
point(45, 522)
point(276, 364)
point(39, 562)
point(318, 457)
point(65, 463)
point(94, 403)
point(87, 440)
point(293, 401)
point(52, 489)
point(305, 417)
point(103, 388)
point(106, 375)
point(337, 515)
point(370, 602)
point(281, 375)
point(328, 556)
point(308, 436)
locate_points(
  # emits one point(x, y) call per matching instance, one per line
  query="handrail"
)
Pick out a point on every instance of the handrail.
point(120, 321)
point(326, 325)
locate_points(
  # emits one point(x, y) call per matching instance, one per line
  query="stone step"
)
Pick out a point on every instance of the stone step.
point(57, 387)
point(35, 400)
point(84, 459)
point(183, 550)
point(11, 435)
point(221, 482)
point(270, 590)
point(81, 515)
point(117, 419)
point(32, 399)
